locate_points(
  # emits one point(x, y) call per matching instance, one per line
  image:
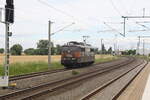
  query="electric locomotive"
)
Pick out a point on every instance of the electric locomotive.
point(77, 54)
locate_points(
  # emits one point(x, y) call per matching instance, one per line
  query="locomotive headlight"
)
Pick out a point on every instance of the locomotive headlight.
point(73, 58)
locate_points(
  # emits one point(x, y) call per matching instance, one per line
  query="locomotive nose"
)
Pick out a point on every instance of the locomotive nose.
point(69, 51)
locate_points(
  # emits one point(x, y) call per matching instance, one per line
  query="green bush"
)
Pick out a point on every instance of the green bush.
point(75, 72)
point(16, 49)
point(1, 50)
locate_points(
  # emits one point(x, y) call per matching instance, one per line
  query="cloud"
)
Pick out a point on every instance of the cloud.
point(31, 21)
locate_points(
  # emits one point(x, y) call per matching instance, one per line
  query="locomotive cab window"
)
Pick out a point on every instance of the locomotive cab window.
point(82, 49)
point(92, 50)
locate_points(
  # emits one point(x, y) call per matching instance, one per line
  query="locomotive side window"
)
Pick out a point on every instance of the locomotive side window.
point(92, 50)
point(82, 49)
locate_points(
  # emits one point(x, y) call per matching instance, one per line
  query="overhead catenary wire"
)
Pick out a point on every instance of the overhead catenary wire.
point(143, 25)
point(113, 28)
point(115, 8)
point(63, 28)
point(132, 5)
point(75, 19)
point(58, 10)
point(63, 12)
point(24, 12)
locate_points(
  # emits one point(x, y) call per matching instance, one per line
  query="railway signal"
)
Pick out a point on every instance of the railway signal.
point(9, 19)
point(9, 11)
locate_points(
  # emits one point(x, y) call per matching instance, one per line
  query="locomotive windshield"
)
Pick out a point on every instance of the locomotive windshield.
point(70, 49)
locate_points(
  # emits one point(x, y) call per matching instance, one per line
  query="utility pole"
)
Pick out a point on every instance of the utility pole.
point(114, 49)
point(49, 44)
point(143, 47)
point(115, 44)
point(138, 45)
point(143, 12)
point(49, 39)
point(124, 26)
point(101, 46)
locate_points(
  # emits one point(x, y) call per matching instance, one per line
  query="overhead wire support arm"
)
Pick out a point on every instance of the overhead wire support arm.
point(144, 36)
point(143, 25)
point(124, 26)
point(135, 16)
point(126, 17)
point(114, 29)
point(62, 28)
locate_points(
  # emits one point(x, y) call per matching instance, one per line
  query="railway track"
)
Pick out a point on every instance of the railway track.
point(99, 93)
point(51, 87)
point(18, 77)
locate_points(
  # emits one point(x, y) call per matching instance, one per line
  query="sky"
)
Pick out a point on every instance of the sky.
point(89, 16)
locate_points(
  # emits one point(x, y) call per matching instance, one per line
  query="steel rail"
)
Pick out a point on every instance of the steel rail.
point(18, 77)
point(65, 82)
point(96, 91)
point(34, 74)
point(120, 92)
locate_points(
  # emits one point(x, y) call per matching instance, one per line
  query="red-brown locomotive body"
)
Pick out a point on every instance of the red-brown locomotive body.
point(76, 54)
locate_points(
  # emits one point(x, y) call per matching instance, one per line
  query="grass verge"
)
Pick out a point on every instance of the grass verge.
point(24, 68)
point(143, 57)
point(30, 67)
point(111, 58)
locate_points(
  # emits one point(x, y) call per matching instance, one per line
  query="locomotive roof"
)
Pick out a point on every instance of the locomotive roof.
point(79, 44)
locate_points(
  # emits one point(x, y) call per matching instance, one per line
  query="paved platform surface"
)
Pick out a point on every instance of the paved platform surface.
point(146, 94)
point(139, 89)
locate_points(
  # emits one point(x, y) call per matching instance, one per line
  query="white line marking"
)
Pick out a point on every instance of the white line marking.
point(146, 94)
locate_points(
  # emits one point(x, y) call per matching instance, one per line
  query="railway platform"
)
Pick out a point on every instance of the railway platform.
point(139, 89)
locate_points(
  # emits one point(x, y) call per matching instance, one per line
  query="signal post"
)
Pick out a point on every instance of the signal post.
point(9, 19)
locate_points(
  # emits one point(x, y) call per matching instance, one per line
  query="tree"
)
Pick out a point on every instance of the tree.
point(30, 51)
point(42, 47)
point(1, 50)
point(129, 52)
point(42, 44)
point(103, 49)
point(96, 51)
point(16, 49)
point(109, 50)
point(58, 49)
